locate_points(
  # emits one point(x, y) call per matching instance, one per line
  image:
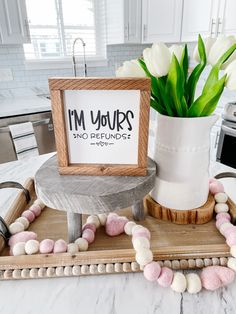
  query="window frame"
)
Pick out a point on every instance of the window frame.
point(100, 59)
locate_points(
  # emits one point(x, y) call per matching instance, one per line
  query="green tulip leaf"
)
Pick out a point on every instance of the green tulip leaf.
point(184, 62)
point(197, 71)
point(206, 103)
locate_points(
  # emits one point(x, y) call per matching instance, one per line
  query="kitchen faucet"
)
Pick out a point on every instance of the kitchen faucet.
point(73, 56)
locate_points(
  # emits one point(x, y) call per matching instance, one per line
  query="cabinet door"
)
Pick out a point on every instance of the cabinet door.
point(132, 21)
point(14, 27)
point(199, 17)
point(161, 20)
point(227, 19)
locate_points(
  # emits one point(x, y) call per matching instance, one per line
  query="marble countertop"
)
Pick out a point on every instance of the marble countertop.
point(118, 294)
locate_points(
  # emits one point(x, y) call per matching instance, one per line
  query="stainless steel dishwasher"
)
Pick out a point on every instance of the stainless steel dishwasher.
point(43, 129)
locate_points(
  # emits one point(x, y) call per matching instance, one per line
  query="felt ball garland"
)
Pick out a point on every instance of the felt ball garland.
point(24, 242)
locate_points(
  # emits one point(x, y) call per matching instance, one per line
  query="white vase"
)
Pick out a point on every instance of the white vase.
point(182, 154)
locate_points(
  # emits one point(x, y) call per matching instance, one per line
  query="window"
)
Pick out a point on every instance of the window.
point(54, 24)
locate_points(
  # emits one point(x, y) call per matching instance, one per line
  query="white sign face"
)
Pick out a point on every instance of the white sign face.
point(102, 126)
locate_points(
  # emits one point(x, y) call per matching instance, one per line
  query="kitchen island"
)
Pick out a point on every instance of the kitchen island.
point(123, 293)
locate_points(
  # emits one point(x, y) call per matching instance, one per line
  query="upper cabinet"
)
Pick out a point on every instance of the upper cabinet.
point(123, 21)
point(14, 28)
point(208, 18)
point(161, 20)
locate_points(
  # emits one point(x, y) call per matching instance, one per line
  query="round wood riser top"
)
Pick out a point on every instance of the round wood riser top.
point(196, 216)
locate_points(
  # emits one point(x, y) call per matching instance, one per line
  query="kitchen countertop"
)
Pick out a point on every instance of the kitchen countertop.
point(123, 293)
point(30, 102)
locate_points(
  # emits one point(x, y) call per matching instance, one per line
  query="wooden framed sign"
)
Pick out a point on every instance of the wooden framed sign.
point(101, 125)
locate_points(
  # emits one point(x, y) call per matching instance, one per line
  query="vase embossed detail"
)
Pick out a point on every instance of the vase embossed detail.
point(182, 154)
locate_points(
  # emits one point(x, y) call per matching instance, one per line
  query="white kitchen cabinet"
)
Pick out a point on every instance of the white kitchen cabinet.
point(123, 21)
point(14, 28)
point(161, 20)
point(226, 23)
point(199, 17)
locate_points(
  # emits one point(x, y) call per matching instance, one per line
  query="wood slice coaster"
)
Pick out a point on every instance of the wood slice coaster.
point(176, 246)
point(198, 216)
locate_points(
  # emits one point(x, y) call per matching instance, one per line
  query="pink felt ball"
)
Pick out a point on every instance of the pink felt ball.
point(46, 246)
point(36, 209)
point(214, 277)
point(216, 187)
point(88, 235)
point(28, 214)
point(219, 222)
point(60, 246)
point(166, 277)
point(115, 224)
point(142, 232)
point(211, 180)
point(152, 271)
point(23, 236)
point(223, 215)
point(231, 239)
point(89, 226)
point(228, 231)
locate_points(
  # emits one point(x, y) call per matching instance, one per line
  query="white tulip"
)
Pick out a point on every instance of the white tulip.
point(231, 76)
point(130, 69)
point(208, 42)
point(157, 59)
point(177, 50)
point(221, 45)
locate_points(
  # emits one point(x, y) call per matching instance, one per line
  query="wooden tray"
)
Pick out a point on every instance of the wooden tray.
point(176, 246)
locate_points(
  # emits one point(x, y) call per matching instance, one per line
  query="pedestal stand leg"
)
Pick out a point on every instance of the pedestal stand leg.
point(138, 210)
point(74, 223)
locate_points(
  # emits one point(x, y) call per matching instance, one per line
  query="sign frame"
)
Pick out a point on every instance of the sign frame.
point(57, 87)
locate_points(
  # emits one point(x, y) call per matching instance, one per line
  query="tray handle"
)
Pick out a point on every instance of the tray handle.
point(4, 231)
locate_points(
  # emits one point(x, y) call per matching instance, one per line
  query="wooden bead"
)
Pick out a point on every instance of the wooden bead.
point(16, 227)
point(101, 268)
point(144, 256)
point(42, 272)
point(183, 264)
point(194, 284)
point(59, 271)
point(16, 274)
point(109, 268)
point(135, 266)
point(93, 219)
point(24, 221)
point(93, 269)
point(139, 243)
point(31, 247)
point(223, 261)
point(128, 227)
point(179, 283)
point(82, 244)
point(191, 263)
point(215, 261)
point(233, 250)
point(72, 248)
point(221, 208)
point(118, 267)
point(126, 267)
point(199, 263)
point(167, 263)
point(175, 264)
point(102, 219)
point(207, 262)
point(33, 273)
point(50, 272)
point(232, 263)
point(7, 274)
point(25, 273)
point(68, 270)
point(84, 270)
point(76, 271)
point(18, 249)
point(221, 197)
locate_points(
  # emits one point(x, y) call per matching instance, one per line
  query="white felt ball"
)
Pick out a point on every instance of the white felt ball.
point(221, 208)
point(233, 250)
point(141, 242)
point(93, 219)
point(179, 282)
point(40, 203)
point(225, 226)
point(221, 197)
point(19, 249)
point(194, 284)
point(144, 256)
point(16, 227)
point(136, 228)
point(128, 227)
point(232, 263)
point(31, 247)
point(82, 244)
point(72, 248)
point(24, 221)
point(102, 218)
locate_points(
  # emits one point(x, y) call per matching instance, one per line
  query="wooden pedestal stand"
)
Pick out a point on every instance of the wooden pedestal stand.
point(79, 194)
point(196, 216)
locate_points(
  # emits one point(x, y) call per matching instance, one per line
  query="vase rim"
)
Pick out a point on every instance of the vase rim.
point(185, 118)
